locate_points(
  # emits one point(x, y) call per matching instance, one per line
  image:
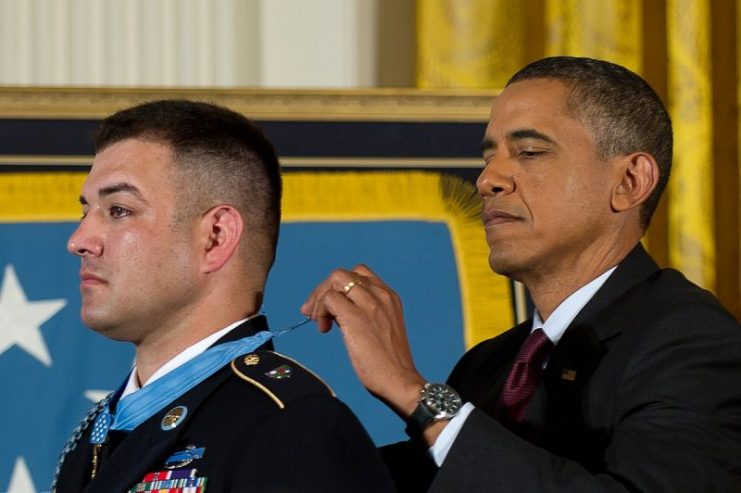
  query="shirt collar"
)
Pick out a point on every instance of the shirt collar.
point(564, 314)
point(132, 385)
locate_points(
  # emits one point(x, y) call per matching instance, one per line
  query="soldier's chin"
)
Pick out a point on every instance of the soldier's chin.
point(101, 324)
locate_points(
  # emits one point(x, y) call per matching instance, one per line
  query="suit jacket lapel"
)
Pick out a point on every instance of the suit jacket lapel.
point(582, 348)
point(636, 267)
point(481, 373)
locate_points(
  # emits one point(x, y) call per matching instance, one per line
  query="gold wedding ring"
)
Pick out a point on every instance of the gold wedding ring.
point(348, 287)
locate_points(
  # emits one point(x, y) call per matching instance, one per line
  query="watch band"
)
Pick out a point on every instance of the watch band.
point(419, 420)
point(427, 411)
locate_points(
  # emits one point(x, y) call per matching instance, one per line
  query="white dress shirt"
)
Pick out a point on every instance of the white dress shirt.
point(554, 327)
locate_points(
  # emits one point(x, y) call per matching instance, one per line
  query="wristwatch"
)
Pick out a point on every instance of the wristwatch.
point(437, 401)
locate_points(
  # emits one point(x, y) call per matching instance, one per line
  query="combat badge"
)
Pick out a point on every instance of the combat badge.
point(184, 457)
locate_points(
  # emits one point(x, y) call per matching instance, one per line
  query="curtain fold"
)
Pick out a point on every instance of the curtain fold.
point(690, 191)
point(608, 29)
point(469, 43)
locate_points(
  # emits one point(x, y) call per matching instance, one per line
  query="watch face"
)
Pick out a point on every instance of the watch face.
point(442, 399)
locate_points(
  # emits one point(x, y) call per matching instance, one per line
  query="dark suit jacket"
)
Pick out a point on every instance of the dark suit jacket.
point(642, 393)
point(314, 443)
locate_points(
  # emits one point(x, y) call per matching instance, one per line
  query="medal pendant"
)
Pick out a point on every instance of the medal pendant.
point(96, 459)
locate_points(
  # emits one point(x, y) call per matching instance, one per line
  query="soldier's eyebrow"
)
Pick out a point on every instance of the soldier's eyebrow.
point(119, 188)
point(116, 188)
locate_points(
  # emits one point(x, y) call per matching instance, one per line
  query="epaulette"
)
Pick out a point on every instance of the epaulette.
point(280, 377)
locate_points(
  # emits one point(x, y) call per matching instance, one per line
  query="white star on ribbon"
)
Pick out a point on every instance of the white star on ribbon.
point(21, 319)
point(20, 480)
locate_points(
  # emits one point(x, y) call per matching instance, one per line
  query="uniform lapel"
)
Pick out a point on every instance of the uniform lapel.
point(147, 447)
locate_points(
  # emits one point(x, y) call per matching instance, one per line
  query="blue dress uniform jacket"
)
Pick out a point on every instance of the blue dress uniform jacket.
point(642, 393)
point(264, 424)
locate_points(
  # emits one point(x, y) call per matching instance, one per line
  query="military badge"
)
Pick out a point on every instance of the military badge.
point(252, 359)
point(283, 371)
point(174, 417)
point(184, 457)
point(180, 481)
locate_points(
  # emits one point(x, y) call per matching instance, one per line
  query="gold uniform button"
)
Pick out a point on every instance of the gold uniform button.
point(251, 359)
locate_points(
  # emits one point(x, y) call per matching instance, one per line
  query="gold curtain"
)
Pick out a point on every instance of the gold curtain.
point(687, 49)
point(690, 190)
point(452, 54)
point(608, 29)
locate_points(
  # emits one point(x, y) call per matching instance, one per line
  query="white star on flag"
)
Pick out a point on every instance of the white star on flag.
point(20, 481)
point(21, 319)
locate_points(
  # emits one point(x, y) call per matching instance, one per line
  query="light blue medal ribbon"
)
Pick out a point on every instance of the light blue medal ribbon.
point(136, 408)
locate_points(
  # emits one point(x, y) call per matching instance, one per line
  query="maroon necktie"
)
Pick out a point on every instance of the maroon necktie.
point(524, 376)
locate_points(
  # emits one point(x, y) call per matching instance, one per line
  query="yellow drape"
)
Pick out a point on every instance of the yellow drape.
point(608, 29)
point(690, 192)
point(456, 38)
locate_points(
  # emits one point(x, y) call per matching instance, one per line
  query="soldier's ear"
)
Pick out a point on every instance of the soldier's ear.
point(638, 176)
point(220, 231)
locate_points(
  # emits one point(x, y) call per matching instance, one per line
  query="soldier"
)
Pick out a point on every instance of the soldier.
point(181, 212)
